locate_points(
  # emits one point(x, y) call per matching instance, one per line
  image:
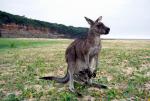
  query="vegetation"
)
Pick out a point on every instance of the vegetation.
point(73, 32)
point(124, 67)
point(12, 43)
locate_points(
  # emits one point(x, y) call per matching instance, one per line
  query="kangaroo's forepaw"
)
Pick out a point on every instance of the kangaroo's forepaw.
point(94, 75)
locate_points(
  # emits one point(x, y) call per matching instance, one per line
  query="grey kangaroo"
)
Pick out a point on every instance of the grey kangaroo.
point(82, 56)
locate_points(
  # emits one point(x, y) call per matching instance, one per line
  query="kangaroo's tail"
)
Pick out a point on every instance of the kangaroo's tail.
point(64, 79)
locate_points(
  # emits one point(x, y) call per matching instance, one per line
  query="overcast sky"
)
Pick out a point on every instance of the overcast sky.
point(126, 18)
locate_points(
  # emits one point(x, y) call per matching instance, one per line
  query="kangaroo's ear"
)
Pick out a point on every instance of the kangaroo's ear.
point(99, 19)
point(91, 22)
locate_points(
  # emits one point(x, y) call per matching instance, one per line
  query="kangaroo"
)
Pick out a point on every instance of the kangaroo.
point(82, 56)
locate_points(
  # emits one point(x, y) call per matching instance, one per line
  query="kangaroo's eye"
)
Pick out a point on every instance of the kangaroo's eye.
point(99, 25)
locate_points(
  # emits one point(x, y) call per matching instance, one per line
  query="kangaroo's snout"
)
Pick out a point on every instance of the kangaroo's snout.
point(107, 31)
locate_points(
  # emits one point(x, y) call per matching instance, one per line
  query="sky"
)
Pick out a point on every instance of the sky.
point(126, 18)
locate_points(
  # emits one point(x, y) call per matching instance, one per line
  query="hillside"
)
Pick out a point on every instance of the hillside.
point(21, 26)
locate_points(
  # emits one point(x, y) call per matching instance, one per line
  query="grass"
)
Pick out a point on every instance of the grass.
point(124, 67)
point(9, 43)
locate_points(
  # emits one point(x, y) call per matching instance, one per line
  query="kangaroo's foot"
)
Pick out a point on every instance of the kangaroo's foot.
point(92, 84)
point(75, 92)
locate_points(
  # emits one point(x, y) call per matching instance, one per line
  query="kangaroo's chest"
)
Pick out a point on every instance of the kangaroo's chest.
point(94, 50)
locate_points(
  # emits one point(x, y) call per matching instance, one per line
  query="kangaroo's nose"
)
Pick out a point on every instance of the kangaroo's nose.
point(107, 31)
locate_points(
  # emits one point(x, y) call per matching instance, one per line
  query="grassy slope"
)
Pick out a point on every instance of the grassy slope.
point(124, 67)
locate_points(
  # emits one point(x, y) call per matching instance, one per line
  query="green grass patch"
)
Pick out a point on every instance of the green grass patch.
point(10, 43)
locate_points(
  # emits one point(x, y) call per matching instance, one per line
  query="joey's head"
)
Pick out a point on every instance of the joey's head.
point(85, 75)
point(97, 27)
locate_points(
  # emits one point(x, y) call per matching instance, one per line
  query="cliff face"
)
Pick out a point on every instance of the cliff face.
point(21, 26)
point(13, 30)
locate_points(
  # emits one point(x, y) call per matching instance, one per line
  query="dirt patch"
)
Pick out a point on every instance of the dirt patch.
point(147, 86)
point(86, 98)
point(128, 70)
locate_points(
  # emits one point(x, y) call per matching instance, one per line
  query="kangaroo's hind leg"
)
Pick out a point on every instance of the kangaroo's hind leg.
point(71, 69)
